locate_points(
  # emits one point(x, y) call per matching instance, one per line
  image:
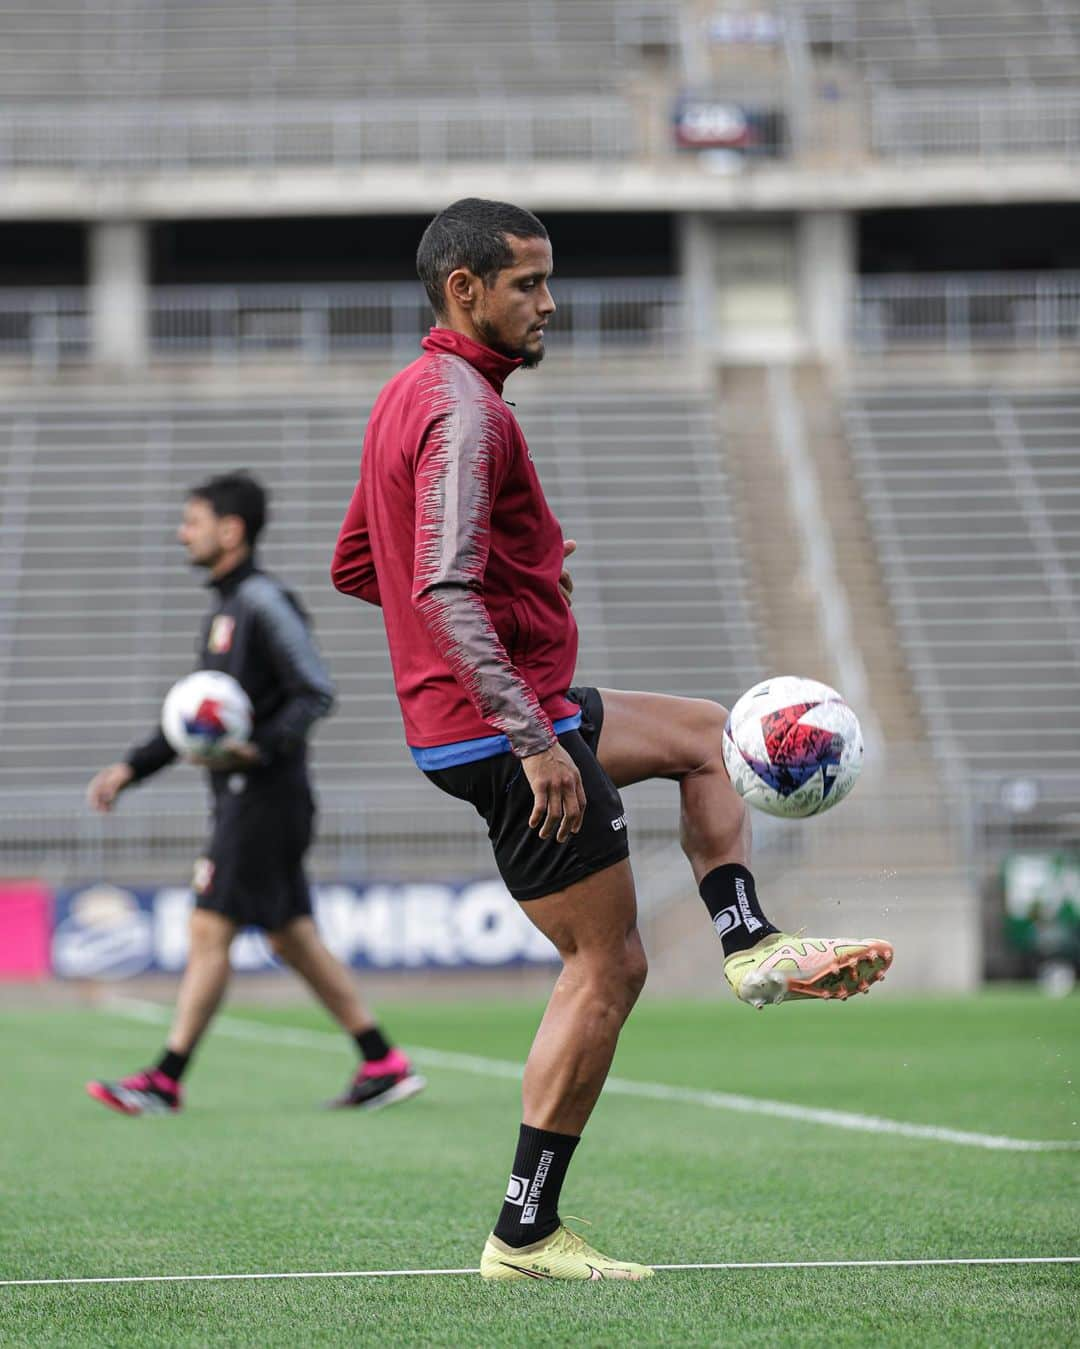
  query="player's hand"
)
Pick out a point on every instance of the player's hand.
point(558, 796)
point(107, 785)
point(230, 756)
point(566, 581)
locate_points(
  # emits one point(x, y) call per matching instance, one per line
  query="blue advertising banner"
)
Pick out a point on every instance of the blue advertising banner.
point(104, 931)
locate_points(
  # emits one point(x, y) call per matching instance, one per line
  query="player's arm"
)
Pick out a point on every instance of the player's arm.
point(457, 474)
point(301, 673)
point(352, 570)
point(141, 762)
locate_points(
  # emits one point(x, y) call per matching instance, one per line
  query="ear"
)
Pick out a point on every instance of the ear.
point(233, 529)
point(462, 287)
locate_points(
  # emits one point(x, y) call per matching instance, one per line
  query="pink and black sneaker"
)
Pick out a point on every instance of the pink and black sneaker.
point(147, 1093)
point(380, 1082)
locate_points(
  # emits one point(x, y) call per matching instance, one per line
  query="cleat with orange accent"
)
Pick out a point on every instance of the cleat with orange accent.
point(781, 968)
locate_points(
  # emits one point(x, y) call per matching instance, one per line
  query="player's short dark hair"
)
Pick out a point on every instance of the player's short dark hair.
point(237, 494)
point(471, 233)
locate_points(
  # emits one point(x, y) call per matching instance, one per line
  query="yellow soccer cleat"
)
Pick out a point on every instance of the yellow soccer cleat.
point(563, 1255)
point(781, 967)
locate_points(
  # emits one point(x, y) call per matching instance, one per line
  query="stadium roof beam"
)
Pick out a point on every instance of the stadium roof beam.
point(385, 189)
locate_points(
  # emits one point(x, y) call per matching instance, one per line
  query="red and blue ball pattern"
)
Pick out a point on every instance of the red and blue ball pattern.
point(792, 747)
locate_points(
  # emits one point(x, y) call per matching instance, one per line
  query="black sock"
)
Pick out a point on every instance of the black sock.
point(729, 895)
point(372, 1044)
point(530, 1211)
point(173, 1064)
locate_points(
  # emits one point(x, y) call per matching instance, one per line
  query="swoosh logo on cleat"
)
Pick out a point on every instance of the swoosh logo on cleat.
point(595, 1272)
point(529, 1273)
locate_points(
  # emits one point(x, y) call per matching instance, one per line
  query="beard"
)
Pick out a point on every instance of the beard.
point(205, 562)
point(530, 358)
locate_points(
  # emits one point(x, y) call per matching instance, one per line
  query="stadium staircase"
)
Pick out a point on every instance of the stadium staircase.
point(888, 862)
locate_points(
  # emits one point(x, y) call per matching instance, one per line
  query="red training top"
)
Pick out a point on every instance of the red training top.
point(449, 531)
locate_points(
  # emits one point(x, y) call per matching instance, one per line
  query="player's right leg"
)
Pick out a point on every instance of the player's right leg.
point(593, 925)
point(157, 1090)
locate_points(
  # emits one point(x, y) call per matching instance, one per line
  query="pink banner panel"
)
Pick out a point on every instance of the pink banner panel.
point(25, 923)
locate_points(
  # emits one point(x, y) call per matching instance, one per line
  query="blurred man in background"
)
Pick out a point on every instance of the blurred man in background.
point(263, 815)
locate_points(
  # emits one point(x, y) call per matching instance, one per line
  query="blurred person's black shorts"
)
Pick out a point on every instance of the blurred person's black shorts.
point(530, 866)
point(253, 870)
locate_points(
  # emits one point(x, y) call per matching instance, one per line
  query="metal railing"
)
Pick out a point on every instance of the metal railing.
point(316, 323)
point(167, 138)
point(1000, 120)
point(47, 327)
point(961, 311)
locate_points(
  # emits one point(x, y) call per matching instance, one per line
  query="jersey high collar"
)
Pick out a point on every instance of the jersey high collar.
point(229, 583)
point(493, 365)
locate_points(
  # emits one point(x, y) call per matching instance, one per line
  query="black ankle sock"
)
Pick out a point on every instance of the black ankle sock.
point(372, 1044)
point(172, 1064)
point(729, 895)
point(530, 1211)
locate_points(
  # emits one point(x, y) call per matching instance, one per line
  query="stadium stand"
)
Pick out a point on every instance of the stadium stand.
point(101, 613)
point(974, 499)
point(951, 43)
point(189, 49)
point(970, 77)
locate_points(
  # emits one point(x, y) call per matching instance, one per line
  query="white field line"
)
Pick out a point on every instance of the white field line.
point(620, 1086)
point(420, 1273)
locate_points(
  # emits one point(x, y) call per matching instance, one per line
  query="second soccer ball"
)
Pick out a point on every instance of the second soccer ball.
point(202, 710)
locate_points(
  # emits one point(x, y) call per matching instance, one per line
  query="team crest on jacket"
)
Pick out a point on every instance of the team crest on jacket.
point(221, 634)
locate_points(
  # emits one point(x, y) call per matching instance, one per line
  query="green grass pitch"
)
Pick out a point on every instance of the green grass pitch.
point(253, 1178)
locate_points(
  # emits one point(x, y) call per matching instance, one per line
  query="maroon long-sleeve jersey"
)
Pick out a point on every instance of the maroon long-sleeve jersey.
point(449, 531)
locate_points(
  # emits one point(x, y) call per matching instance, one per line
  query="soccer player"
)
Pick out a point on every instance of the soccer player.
point(253, 872)
point(448, 530)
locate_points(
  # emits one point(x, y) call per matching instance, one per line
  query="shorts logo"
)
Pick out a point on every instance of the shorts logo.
point(515, 1190)
point(618, 824)
point(203, 876)
point(221, 634)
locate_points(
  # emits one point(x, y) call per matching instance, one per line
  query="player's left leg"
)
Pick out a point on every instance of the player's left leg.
point(653, 735)
point(157, 1090)
point(385, 1075)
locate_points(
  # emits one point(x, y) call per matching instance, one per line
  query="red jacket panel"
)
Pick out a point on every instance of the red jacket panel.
point(449, 531)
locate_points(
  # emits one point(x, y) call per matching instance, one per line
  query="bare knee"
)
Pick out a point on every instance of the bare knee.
point(637, 967)
point(211, 934)
point(289, 943)
point(616, 977)
point(711, 721)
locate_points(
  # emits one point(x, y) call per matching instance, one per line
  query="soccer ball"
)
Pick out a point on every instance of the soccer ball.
point(204, 709)
point(792, 747)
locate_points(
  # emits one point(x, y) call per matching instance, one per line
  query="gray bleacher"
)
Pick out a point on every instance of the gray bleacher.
point(100, 610)
point(325, 49)
point(954, 43)
point(974, 499)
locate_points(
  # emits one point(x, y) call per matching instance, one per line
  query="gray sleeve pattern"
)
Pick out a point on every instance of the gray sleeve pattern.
point(454, 483)
point(309, 694)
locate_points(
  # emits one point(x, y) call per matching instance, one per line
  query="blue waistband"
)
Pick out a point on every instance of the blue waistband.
point(469, 751)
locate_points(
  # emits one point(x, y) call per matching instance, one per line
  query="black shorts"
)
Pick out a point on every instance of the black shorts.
point(531, 866)
point(253, 871)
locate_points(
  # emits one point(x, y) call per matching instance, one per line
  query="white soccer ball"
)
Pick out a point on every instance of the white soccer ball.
point(202, 710)
point(792, 747)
